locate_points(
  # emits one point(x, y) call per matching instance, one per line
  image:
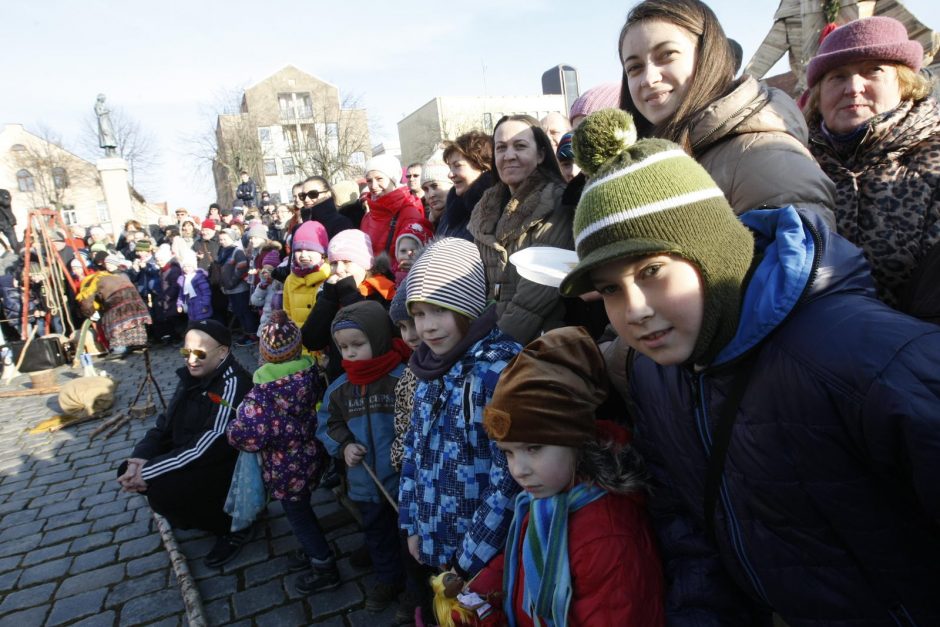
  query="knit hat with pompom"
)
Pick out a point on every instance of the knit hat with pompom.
point(647, 198)
point(279, 340)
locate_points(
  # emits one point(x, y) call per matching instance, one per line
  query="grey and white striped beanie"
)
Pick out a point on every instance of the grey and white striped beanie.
point(449, 274)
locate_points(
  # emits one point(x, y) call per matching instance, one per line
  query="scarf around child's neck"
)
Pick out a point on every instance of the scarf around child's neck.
point(427, 365)
point(546, 595)
point(366, 371)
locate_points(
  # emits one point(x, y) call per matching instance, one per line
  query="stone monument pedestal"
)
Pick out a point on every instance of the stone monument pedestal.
point(117, 194)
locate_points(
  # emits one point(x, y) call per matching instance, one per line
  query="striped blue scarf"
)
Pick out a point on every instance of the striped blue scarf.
point(547, 591)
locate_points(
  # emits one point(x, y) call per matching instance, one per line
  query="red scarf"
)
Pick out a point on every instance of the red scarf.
point(366, 371)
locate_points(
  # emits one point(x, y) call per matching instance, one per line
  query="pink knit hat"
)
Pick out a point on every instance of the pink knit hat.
point(352, 245)
point(603, 96)
point(311, 235)
point(271, 258)
point(876, 38)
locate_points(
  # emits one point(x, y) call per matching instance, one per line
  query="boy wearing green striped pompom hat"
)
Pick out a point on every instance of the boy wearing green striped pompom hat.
point(651, 218)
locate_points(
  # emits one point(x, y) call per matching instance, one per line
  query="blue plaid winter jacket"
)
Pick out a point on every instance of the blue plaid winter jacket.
point(456, 492)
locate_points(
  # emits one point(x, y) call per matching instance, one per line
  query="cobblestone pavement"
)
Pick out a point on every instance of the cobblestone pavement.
point(76, 551)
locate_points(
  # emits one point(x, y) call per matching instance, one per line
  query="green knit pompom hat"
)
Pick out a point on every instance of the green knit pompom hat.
point(649, 197)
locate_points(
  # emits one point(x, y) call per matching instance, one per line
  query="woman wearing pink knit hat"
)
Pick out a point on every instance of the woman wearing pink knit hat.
point(876, 132)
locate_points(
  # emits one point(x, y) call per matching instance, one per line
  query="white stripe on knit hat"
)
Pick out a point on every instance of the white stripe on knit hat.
point(644, 210)
point(654, 158)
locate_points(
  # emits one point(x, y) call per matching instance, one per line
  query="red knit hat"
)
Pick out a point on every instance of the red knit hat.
point(208, 223)
point(876, 38)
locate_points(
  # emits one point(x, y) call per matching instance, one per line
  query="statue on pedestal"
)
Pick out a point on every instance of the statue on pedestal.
point(106, 137)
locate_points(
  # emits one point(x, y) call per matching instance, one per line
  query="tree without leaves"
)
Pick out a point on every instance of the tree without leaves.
point(333, 142)
point(53, 168)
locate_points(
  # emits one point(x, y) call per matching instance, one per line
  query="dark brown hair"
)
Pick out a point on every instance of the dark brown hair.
point(549, 165)
point(705, 87)
point(475, 147)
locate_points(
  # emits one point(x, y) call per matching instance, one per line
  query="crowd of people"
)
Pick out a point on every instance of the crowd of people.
point(727, 410)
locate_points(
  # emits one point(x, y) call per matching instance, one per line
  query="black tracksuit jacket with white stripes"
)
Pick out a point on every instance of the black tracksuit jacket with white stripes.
point(191, 434)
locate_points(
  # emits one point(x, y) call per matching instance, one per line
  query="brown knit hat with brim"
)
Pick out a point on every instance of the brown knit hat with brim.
point(549, 392)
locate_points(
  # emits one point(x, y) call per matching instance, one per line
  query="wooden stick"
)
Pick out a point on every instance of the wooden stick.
point(104, 425)
point(52, 389)
point(188, 589)
point(380, 486)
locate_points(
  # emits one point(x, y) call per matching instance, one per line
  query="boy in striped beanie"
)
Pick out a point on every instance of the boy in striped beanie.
point(781, 408)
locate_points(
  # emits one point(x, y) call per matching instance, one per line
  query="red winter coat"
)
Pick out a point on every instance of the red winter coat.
point(377, 223)
point(616, 578)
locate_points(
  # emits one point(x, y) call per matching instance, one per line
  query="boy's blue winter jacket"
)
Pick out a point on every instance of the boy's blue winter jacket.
point(829, 507)
point(456, 491)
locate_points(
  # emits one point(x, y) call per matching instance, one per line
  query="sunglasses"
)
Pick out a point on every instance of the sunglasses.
point(312, 195)
point(413, 176)
point(198, 352)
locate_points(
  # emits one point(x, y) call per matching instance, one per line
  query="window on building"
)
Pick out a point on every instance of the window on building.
point(70, 217)
point(60, 178)
point(18, 147)
point(488, 123)
point(264, 134)
point(287, 165)
point(270, 167)
point(304, 105)
point(25, 182)
point(290, 136)
point(104, 215)
point(358, 158)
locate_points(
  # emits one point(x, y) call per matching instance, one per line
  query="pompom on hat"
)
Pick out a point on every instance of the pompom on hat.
point(279, 339)
point(549, 392)
point(449, 274)
point(650, 197)
point(877, 38)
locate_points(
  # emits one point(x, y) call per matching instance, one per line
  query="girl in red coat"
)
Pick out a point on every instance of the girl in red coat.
point(580, 550)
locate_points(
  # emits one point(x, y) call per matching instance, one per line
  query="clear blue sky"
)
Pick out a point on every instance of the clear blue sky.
point(164, 63)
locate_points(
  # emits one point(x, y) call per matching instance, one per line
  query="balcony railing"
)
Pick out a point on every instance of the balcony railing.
point(297, 113)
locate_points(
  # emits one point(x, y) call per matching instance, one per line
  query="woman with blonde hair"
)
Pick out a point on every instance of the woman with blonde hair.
point(876, 133)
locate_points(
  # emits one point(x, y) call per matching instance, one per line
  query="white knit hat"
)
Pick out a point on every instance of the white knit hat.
point(386, 165)
point(449, 274)
point(435, 169)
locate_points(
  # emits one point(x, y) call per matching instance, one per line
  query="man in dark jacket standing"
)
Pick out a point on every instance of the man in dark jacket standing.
point(247, 191)
point(7, 219)
point(184, 464)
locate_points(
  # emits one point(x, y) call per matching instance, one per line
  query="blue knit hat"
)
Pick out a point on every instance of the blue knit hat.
point(398, 309)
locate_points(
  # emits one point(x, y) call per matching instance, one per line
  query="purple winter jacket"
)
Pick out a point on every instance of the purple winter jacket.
point(199, 307)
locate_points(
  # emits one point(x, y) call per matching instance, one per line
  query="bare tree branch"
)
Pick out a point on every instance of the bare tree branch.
point(135, 145)
point(54, 170)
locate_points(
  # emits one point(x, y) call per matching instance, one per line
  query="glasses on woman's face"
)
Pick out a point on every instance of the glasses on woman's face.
point(312, 194)
point(198, 352)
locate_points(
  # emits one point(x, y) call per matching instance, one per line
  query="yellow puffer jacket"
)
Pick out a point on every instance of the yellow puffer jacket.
point(300, 293)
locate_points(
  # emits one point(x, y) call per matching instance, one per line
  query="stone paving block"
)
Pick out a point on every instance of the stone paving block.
point(90, 580)
point(170, 621)
point(59, 487)
point(257, 599)
point(45, 572)
point(66, 533)
point(93, 559)
point(82, 493)
point(286, 616)
point(45, 553)
point(61, 507)
point(218, 587)
point(106, 509)
point(35, 616)
point(29, 597)
point(50, 478)
point(218, 612)
point(148, 608)
point(19, 517)
point(133, 530)
point(347, 543)
point(347, 596)
point(44, 499)
point(279, 526)
point(146, 564)
point(104, 619)
point(9, 579)
point(84, 452)
point(139, 547)
point(127, 590)
point(13, 561)
point(76, 606)
point(63, 520)
point(113, 522)
point(92, 541)
point(22, 530)
point(107, 496)
point(17, 505)
point(266, 570)
point(20, 545)
point(85, 462)
point(282, 546)
point(106, 477)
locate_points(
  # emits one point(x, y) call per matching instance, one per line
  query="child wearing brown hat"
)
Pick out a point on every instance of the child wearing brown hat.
point(580, 549)
point(278, 419)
